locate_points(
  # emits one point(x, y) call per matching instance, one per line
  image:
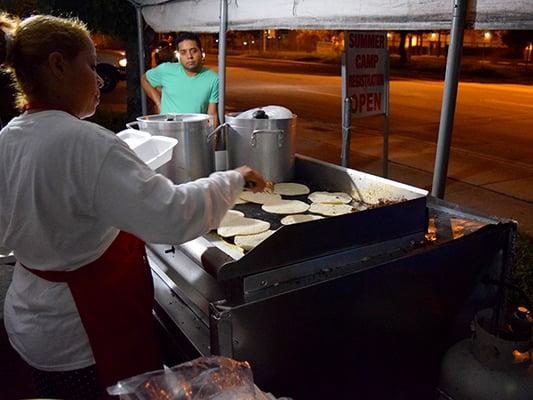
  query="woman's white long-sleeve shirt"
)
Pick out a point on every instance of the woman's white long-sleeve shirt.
point(66, 189)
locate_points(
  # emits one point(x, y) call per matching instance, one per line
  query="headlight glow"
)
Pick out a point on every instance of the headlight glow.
point(123, 62)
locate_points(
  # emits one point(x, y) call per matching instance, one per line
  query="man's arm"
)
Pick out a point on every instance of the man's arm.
point(152, 93)
point(212, 110)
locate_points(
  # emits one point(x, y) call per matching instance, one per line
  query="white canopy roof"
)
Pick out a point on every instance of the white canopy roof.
point(203, 15)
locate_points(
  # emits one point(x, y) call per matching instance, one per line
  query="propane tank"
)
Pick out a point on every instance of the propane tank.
point(489, 366)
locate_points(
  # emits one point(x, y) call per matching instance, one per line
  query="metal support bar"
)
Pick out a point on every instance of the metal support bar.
point(140, 38)
point(343, 81)
point(386, 131)
point(344, 152)
point(222, 60)
point(498, 315)
point(221, 340)
point(386, 117)
point(346, 132)
point(449, 99)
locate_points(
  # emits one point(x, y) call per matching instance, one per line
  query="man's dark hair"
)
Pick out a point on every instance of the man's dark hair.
point(188, 36)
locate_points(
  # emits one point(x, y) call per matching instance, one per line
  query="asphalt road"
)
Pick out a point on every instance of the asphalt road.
point(493, 122)
point(492, 146)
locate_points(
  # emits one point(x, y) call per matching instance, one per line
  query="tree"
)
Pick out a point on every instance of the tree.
point(307, 39)
point(401, 48)
point(517, 40)
point(21, 8)
point(113, 17)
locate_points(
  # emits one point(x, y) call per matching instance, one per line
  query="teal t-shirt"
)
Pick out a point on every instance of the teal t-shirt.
point(182, 93)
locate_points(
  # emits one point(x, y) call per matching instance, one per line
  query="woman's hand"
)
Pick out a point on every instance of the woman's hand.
point(253, 180)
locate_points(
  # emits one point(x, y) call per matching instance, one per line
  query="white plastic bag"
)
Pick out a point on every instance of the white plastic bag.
point(206, 378)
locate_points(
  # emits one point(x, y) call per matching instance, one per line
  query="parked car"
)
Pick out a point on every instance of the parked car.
point(165, 52)
point(111, 66)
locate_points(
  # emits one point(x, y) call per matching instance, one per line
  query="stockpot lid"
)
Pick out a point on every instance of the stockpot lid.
point(271, 112)
point(173, 117)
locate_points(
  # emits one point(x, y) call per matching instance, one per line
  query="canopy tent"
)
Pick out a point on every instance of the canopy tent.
point(222, 15)
point(203, 15)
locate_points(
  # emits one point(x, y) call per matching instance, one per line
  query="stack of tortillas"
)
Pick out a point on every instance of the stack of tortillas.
point(248, 242)
point(273, 203)
point(330, 203)
point(235, 223)
point(231, 214)
point(247, 232)
point(239, 201)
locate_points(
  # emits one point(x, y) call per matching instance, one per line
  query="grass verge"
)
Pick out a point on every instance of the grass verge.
point(523, 265)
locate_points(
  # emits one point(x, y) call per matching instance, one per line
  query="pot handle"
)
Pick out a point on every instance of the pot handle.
point(280, 132)
point(130, 125)
point(216, 130)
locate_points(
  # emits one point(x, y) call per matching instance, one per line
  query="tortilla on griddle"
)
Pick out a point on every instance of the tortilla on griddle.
point(298, 218)
point(330, 197)
point(234, 251)
point(229, 215)
point(286, 207)
point(260, 197)
point(240, 201)
point(290, 189)
point(248, 242)
point(330, 210)
point(242, 226)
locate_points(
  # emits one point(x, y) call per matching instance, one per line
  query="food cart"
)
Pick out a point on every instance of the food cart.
point(364, 303)
point(356, 306)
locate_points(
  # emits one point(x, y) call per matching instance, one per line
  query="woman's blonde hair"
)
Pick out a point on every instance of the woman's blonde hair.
point(25, 46)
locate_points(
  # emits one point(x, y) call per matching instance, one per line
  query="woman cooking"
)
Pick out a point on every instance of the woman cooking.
point(76, 205)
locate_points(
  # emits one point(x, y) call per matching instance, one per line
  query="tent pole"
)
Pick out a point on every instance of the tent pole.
point(449, 99)
point(222, 60)
point(345, 114)
point(386, 117)
point(346, 132)
point(140, 38)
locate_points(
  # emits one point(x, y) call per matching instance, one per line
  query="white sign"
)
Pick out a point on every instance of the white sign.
point(366, 71)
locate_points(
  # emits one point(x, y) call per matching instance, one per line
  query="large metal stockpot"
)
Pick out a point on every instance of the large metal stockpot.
point(194, 156)
point(267, 145)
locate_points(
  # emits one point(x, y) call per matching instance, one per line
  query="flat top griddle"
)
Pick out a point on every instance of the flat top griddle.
point(407, 217)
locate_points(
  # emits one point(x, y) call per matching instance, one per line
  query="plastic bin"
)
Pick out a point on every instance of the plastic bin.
point(133, 137)
point(155, 151)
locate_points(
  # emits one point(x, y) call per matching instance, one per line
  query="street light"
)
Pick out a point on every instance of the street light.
point(487, 36)
point(528, 52)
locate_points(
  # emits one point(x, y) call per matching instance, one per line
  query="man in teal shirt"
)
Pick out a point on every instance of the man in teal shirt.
point(184, 87)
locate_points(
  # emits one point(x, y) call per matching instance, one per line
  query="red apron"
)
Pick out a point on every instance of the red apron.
point(114, 296)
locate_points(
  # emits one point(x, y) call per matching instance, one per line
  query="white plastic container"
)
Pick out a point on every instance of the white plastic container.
point(133, 137)
point(155, 151)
